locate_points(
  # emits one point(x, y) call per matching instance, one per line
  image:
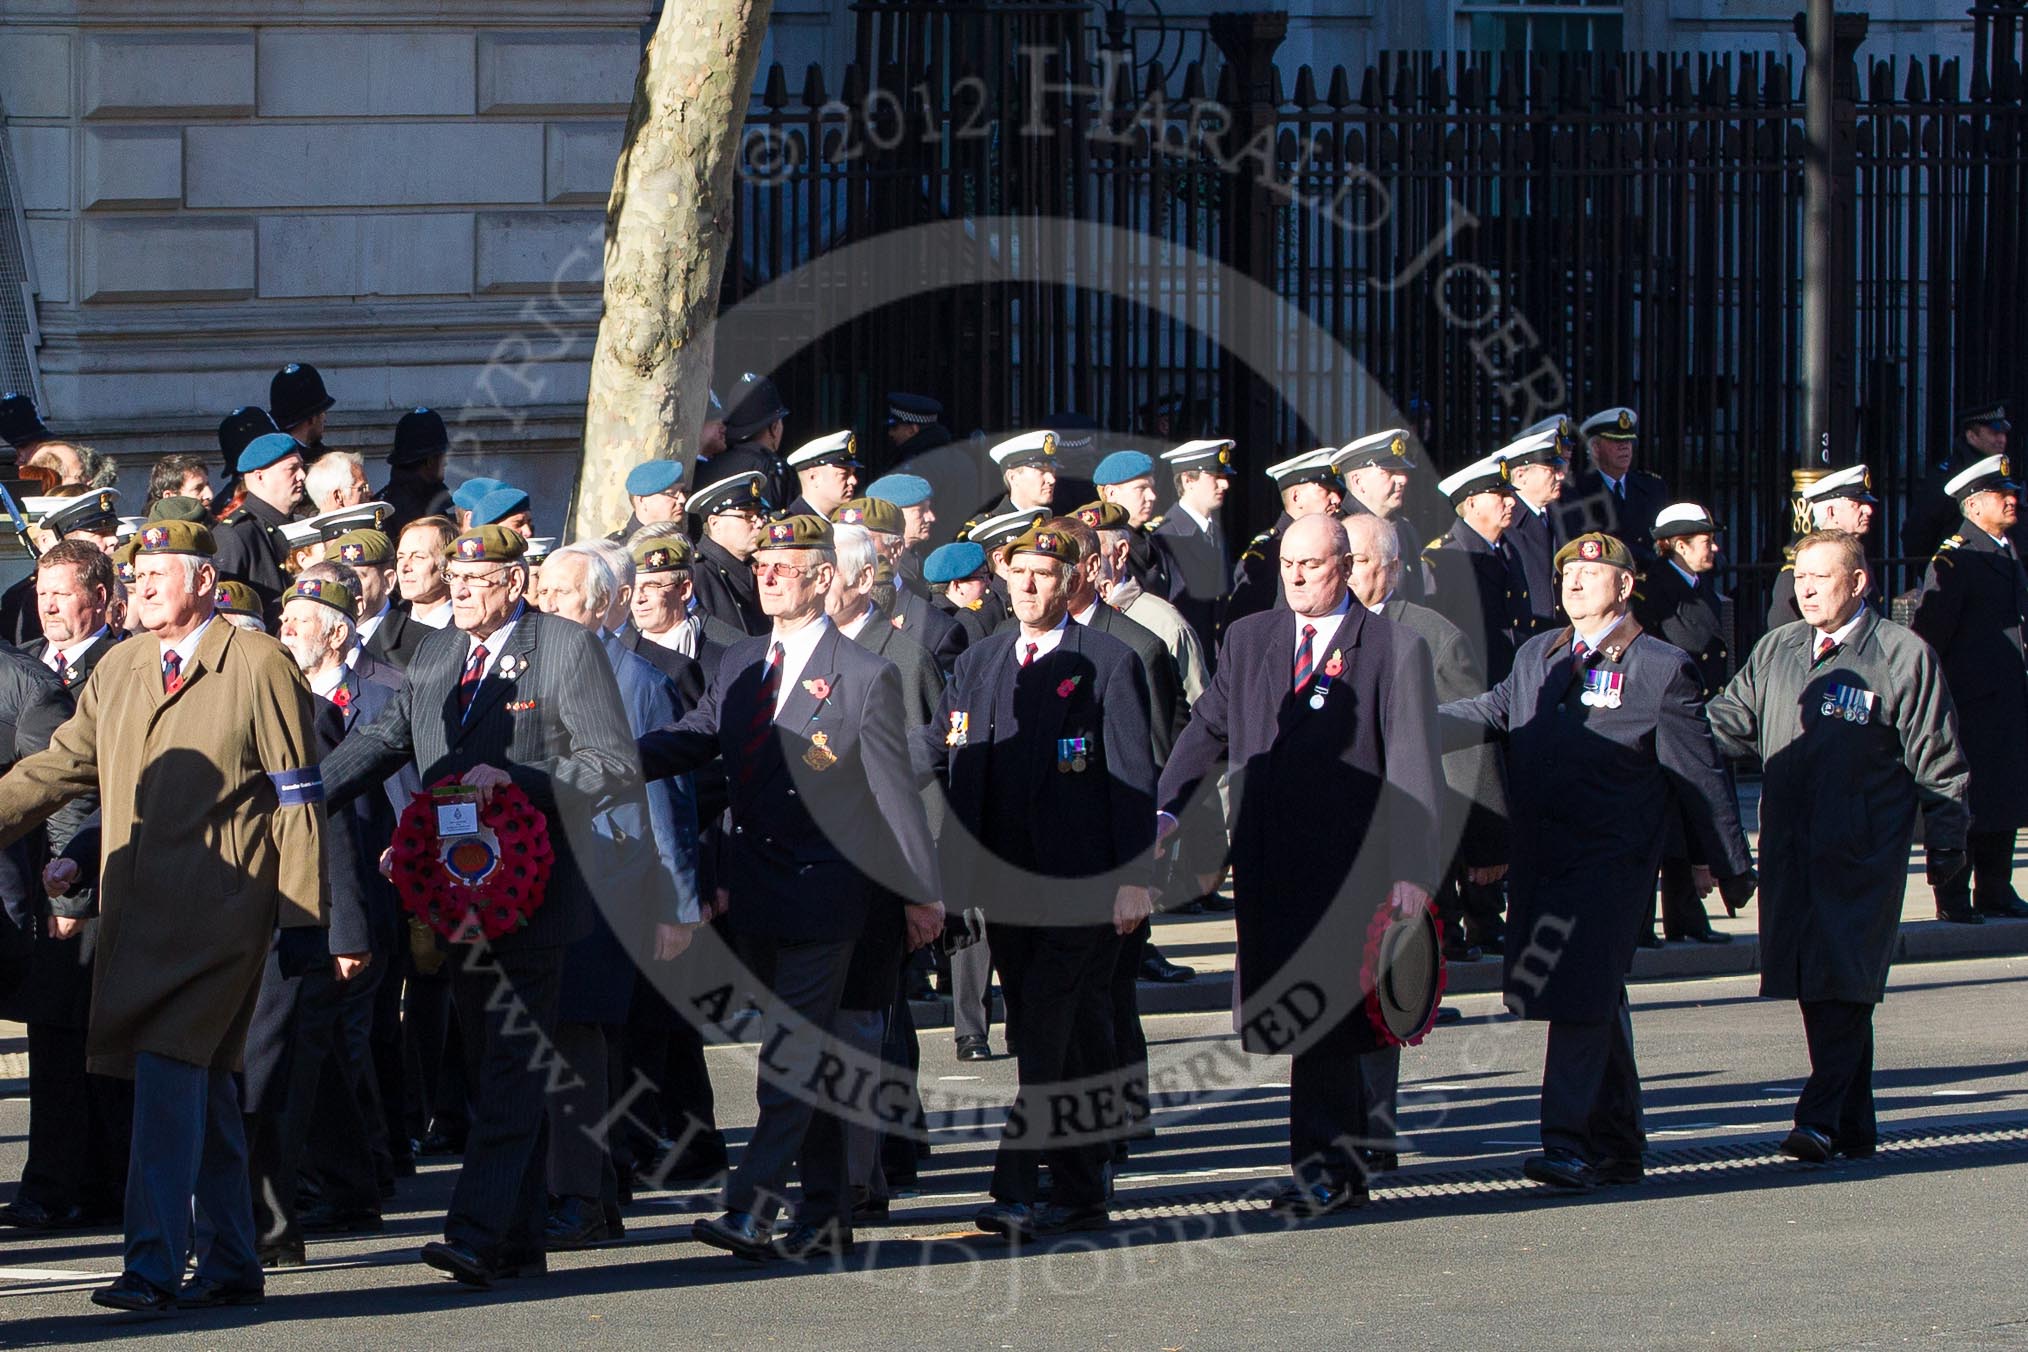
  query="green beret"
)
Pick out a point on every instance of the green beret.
point(797, 532)
point(236, 598)
point(872, 513)
point(1046, 540)
point(334, 594)
point(1103, 516)
point(175, 537)
point(487, 544)
point(1595, 547)
point(668, 555)
point(358, 547)
point(178, 509)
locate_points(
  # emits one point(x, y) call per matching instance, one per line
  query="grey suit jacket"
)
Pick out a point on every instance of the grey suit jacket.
point(554, 722)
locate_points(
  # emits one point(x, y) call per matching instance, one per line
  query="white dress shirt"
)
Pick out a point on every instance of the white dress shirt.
point(852, 629)
point(1841, 633)
point(1327, 629)
point(326, 682)
point(72, 651)
point(186, 647)
point(439, 618)
point(495, 643)
point(1045, 644)
point(796, 650)
point(1203, 522)
point(366, 627)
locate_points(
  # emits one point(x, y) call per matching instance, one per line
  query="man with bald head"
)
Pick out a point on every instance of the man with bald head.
point(1327, 713)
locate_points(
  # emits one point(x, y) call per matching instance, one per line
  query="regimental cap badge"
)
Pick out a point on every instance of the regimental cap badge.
point(1626, 421)
point(781, 532)
point(155, 537)
point(1046, 543)
point(1049, 443)
point(471, 548)
point(1590, 551)
point(1398, 448)
point(657, 558)
point(851, 516)
point(310, 587)
point(1090, 516)
point(352, 553)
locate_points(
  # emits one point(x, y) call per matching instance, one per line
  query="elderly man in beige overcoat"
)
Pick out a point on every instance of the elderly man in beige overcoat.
point(198, 739)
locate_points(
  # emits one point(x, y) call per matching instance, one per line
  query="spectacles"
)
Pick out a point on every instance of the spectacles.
point(492, 578)
point(790, 570)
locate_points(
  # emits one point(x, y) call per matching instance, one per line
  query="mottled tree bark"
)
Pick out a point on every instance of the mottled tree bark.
point(668, 224)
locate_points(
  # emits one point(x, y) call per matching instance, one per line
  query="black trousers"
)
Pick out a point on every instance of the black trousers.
point(580, 1145)
point(1472, 912)
point(1327, 1113)
point(807, 979)
point(902, 1051)
point(1057, 981)
point(278, 1134)
point(436, 1055)
point(1992, 872)
point(1837, 1099)
point(388, 1043)
point(1682, 909)
point(334, 1159)
point(78, 1126)
point(1591, 1089)
point(1130, 1043)
point(506, 1005)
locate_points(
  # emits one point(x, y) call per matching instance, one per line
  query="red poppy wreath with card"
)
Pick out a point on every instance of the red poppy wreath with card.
point(492, 880)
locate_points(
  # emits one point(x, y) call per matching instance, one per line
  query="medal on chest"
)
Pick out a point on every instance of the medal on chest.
point(1602, 688)
point(961, 729)
point(1854, 706)
point(1073, 754)
point(820, 756)
point(1333, 669)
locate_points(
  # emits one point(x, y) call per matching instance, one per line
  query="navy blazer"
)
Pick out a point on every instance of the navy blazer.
point(827, 806)
point(1084, 832)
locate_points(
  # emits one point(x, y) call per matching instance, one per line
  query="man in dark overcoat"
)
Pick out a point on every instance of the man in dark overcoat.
point(1973, 609)
point(1322, 708)
point(1603, 732)
point(1851, 716)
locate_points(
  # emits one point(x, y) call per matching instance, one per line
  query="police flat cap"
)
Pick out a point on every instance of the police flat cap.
point(994, 531)
point(20, 422)
point(903, 490)
point(1074, 431)
point(872, 513)
point(918, 410)
point(1986, 415)
point(650, 477)
point(1540, 446)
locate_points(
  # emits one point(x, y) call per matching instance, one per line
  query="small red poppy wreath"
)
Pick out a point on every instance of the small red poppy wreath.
point(1370, 977)
point(493, 882)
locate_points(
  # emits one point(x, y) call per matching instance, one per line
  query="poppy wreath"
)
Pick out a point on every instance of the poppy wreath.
point(508, 896)
point(1369, 979)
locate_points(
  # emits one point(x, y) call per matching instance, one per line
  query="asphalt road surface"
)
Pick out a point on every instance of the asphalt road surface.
point(1726, 1245)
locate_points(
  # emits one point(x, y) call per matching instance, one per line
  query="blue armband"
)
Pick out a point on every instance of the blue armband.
point(298, 788)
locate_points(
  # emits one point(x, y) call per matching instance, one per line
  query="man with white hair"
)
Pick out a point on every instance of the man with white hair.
point(337, 479)
point(942, 637)
point(655, 883)
point(1841, 500)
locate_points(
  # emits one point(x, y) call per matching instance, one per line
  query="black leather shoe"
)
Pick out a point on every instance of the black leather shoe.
point(871, 1211)
point(1307, 1201)
point(136, 1293)
point(1704, 936)
point(324, 1219)
point(1808, 1145)
point(1015, 1220)
point(1459, 951)
point(974, 1049)
point(1380, 1161)
point(737, 1232)
point(519, 1263)
point(1560, 1169)
point(30, 1214)
point(460, 1262)
point(1618, 1173)
point(281, 1255)
point(1650, 940)
point(803, 1243)
point(1051, 1219)
point(441, 1142)
point(1449, 1014)
point(576, 1223)
point(206, 1293)
point(2001, 908)
point(1959, 914)
point(1856, 1150)
point(1215, 901)
point(1162, 970)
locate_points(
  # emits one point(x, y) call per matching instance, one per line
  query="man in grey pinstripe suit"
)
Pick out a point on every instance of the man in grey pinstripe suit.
point(508, 695)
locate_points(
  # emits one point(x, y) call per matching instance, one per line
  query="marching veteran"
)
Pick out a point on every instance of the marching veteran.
point(200, 745)
point(1852, 718)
